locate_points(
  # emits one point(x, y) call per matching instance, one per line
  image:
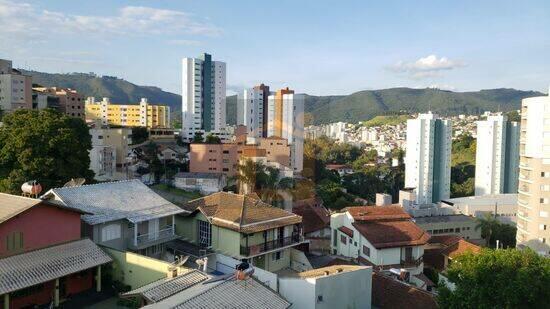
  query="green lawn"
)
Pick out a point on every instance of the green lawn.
point(386, 120)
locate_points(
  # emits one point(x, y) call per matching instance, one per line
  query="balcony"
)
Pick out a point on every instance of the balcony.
point(141, 241)
point(271, 245)
point(411, 262)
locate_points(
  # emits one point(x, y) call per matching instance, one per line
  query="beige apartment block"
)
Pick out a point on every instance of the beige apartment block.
point(15, 88)
point(533, 216)
point(71, 103)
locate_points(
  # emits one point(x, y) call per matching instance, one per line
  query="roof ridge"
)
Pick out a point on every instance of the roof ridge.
point(100, 183)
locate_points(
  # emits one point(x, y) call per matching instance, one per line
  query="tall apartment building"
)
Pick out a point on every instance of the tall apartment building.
point(252, 107)
point(428, 158)
point(203, 96)
point(69, 101)
point(15, 88)
point(497, 156)
point(533, 216)
point(128, 115)
point(286, 120)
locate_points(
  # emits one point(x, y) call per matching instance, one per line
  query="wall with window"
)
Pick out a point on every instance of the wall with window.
point(114, 234)
point(38, 227)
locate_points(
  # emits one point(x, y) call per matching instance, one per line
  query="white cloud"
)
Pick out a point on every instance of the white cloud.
point(185, 42)
point(426, 67)
point(23, 21)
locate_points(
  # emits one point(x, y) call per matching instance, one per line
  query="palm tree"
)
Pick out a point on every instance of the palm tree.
point(487, 224)
point(249, 173)
point(272, 183)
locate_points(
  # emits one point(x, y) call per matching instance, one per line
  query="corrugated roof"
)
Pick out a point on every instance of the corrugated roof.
point(229, 293)
point(35, 267)
point(131, 200)
point(163, 288)
point(12, 205)
point(242, 213)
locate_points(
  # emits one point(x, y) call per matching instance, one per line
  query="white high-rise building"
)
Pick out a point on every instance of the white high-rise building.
point(203, 96)
point(533, 216)
point(15, 88)
point(428, 158)
point(286, 120)
point(497, 156)
point(252, 110)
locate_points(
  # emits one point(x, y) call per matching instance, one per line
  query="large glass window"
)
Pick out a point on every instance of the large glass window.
point(205, 234)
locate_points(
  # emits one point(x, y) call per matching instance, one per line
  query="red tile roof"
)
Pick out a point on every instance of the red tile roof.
point(336, 166)
point(459, 248)
point(390, 293)
point(346, 231)
point(372, 213)
point(445, 240)
point(390, 234)
point(314, 215)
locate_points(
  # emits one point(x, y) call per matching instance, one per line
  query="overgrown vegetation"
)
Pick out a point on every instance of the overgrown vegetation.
point(463, 166)
point(386, 120)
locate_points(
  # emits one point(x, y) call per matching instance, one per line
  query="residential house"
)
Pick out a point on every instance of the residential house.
point(42, 258)
point(315, 222)
point(242, 227)
point(384, 237)
point(341, 169)
point(339, 286)
point(205, 183)
point(123, 215)
point(442, 249)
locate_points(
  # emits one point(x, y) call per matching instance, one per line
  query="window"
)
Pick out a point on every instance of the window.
point(334, 238)
point(14, 241)
point(343, 239)
point(542, 227)
point(275, 256)
point(110, 232)
point(205, 234)
point(366, 250)
point(543, 214)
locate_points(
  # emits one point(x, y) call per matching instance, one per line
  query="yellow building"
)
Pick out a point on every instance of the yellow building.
point(134, 115)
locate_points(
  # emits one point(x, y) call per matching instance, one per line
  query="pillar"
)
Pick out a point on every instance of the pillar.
point(7, 301)
point(56, 294)
point(98, 279)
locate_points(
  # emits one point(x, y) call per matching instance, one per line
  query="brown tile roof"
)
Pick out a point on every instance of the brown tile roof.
point(389, 234)
point(241, 213)
point(390, 293)
point(445, 240)
point(314, 215)
point(346, 231)
point(372, 213)
point(336, 166)
point(459, 248)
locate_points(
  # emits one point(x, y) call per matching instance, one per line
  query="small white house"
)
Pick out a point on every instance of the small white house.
point(205, 183)
point(383, 237)
point(339, 286)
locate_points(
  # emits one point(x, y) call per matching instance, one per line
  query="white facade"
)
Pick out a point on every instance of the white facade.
point(504, 205)
point(15, 88)
point(250, 111)
point(205, 183)
point(203, 96)
point(533, 215)
point(291, 124)
point(344, 289)
point(497, 156)
point(103, 162)
point(428, 158)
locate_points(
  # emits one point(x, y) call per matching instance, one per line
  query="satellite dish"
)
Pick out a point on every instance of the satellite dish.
point(75, 182)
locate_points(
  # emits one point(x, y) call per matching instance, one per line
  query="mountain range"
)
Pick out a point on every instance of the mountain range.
point(358, 106)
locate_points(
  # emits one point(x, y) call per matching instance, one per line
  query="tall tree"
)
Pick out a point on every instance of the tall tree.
point(46, 146)
point(212, 139)
point(507, 278)
point(488, 225)
point(249, 175)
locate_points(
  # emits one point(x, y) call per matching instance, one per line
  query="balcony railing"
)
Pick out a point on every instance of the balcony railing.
point(411, 262)
point(271, 245)
point(144, 239)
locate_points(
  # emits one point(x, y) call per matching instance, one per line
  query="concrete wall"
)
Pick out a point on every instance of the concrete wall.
point(137, 270)
point(344, 290)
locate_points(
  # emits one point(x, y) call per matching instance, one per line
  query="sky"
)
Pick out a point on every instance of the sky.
point(315, 47)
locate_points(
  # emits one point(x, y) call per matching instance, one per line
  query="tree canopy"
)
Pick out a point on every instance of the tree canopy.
point(507, 278)
point(46, 146)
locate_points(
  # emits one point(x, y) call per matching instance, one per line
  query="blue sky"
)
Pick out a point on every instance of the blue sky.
point(317, 47)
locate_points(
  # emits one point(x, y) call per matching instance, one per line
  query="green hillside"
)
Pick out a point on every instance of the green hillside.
point(118, 90)
point(364, 105)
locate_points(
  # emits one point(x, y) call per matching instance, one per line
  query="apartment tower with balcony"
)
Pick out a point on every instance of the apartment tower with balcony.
point(203, 96)
point(497, 156)
point(286, 120)
point(428, 158)
point(533, 215)
point(252, 107)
